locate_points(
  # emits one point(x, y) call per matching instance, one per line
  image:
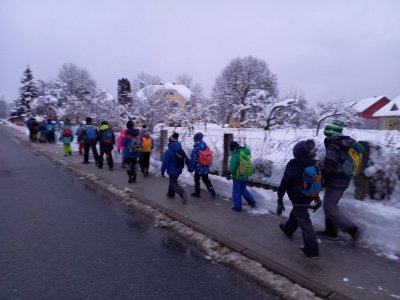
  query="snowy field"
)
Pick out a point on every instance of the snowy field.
point(378, 220)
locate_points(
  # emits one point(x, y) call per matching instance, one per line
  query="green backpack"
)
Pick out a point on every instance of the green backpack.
point(245, 168)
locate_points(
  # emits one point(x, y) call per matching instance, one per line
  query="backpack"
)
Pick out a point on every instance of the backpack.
point(205, 157)
point(146, 144)
point(136, 145)
point(106, 136)
point(311, 183)
point(50, 127)
point(67, 132)
point(180, 159)
point(352, 160)
point(90, 133)
point(245, 167)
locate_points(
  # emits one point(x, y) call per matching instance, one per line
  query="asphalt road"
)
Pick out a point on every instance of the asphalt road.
point(61, 240)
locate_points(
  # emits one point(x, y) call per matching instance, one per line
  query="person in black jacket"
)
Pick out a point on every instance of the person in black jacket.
point(304, 153)
point(336, 182)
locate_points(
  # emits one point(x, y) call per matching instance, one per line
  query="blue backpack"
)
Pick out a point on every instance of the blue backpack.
point(90, 132)
point(106, 136)
point(311, 183)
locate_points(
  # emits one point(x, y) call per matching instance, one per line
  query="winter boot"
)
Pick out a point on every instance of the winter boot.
point(330, 231)
point(212, 191)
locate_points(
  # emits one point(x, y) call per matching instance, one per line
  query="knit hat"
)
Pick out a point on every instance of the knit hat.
point(304, 149)
point(233, 145)
point(174, 137)
point(144, 129)
point(129, 124)
point(334, 128)
point(198, 137)
point(104, 123)
point(135, 132)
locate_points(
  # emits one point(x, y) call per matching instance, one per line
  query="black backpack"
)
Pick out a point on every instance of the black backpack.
point(180, 159)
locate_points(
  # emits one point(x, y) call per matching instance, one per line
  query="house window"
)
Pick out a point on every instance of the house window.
point(394, 107)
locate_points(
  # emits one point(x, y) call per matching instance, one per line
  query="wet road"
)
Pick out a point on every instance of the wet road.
point(61, 240)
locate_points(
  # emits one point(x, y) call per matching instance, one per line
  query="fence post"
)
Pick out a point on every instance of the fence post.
point(228, 137)
point(361, 181)
point(163, 142)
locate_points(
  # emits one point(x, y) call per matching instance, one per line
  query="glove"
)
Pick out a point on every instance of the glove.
point(317, 205)
point(228, 176)
point(162, 174)
point(280, 206)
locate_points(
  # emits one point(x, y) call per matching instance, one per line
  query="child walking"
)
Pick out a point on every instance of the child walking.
point(66, 138)
point(291, 183)
point(240, 169)
point(132, 150)
point(173, 162)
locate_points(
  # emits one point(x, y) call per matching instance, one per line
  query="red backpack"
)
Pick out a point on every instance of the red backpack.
point(205, 157)
point(67, 132)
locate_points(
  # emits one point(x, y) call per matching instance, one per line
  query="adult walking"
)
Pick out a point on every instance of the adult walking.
point(90, 135)
point(201, 168)
point(107, 141)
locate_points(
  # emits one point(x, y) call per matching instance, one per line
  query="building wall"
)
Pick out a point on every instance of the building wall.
point(389, 123)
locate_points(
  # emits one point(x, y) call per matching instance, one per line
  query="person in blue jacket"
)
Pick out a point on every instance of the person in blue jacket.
point(173, 162)
point(200, 171)
point(131, 156)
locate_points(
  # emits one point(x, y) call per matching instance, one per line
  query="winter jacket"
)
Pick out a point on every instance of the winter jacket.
point(234, 163)
point(194, 158)
point(121, 136)
point(66, 139)
point(126, 144)
point(292, 179)
point(336, 147)
point(169, 160)
point(104, 128)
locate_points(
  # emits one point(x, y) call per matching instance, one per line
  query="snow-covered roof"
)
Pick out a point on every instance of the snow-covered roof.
point(390, 109)
point(362, 105)
point(179, 88)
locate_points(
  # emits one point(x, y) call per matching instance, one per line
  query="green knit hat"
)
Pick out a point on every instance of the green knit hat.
point(334, 128)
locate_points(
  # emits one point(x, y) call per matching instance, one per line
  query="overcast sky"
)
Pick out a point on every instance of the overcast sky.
point(323, 50)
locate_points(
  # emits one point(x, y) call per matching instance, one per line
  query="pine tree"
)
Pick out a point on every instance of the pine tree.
point(27, 93)
point(124, 91)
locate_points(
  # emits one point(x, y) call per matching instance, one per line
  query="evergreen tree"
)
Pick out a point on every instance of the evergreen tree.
point(124, 91)
point(27, 93)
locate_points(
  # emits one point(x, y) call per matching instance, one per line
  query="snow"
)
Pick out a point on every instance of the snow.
point(379, 221)
point(180, 88)
point(387, 110)
point(363, 104)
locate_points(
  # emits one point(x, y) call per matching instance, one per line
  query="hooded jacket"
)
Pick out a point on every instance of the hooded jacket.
point(194, 158)
point(169, 160)
point(336, 147)
point(234, 163)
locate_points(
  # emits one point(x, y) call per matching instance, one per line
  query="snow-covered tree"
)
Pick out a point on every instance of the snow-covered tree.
point(3, 108)
point(330, 111)
point(239, 81)
point(27, 93)
point(78, 81)
point(124, 91)
point(142, 79)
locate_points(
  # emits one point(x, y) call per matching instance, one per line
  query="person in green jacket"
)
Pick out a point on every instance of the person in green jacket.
point(240, 169)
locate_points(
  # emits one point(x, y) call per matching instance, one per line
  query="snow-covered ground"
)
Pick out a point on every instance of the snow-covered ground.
point(379, 221)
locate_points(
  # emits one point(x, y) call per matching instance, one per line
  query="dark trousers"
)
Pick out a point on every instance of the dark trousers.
point(132, 163)
point(107, 150)
point(90, 144)
point(299, 216)
point(144, 161)
point(205, 179)
point(174, 187)
point(50, 137)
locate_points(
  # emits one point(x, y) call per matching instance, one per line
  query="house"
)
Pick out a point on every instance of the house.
point(366, 109)
point(177, 93)
point(389, 115)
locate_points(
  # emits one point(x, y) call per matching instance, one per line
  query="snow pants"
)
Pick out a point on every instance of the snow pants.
point(239, 189)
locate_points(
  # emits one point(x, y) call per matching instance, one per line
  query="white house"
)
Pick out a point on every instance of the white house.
point(389, 115)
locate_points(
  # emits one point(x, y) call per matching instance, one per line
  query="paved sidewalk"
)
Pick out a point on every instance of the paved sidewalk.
point(343, 270)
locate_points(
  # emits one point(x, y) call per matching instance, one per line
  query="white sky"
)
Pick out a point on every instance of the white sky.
point(323, 50)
